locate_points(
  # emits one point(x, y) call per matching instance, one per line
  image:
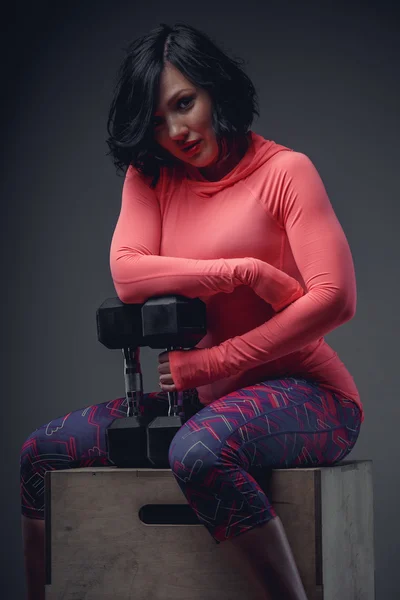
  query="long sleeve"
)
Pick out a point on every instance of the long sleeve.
point(139, 272)
point(323, 257)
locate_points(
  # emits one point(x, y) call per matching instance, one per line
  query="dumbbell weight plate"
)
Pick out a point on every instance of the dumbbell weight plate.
point(160, 434)
point(127, 443)
point(173, 321)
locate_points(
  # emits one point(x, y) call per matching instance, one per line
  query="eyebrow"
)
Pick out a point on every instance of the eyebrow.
point(177, 94)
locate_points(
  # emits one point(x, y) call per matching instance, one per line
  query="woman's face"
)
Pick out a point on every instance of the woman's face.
point(183, 116)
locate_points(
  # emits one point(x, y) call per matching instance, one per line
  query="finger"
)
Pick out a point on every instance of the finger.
point(163, 357)
point(168, 388)
point(166, 380)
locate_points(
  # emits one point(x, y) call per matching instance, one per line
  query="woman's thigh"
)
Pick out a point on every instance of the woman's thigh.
point(281, 423)
point(222, 457)
point(77, 439)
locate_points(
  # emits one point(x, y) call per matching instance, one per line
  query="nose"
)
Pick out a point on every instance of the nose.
point(177, 129)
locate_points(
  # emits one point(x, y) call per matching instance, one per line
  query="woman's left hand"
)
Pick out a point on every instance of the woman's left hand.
point(166, 381)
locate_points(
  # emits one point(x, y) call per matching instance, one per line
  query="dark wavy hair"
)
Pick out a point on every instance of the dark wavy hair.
point(130, 121)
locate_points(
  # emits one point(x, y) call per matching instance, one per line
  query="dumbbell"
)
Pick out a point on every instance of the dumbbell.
point(171, 322)
point(119, 326)
point(174, 323)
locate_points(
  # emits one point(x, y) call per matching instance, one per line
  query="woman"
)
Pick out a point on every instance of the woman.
point(245, 224)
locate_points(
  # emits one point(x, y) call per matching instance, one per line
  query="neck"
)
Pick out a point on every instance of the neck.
point(223, 166)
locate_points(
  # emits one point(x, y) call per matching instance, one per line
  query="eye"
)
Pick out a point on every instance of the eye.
point(187, 99)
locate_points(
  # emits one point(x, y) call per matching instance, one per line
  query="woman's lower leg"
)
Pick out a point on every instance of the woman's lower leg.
point(267, 552)
point(33, 535)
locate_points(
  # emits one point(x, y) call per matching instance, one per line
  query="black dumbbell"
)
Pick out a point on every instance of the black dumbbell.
point(174, 323)
point(119, 326)
point(169, 322)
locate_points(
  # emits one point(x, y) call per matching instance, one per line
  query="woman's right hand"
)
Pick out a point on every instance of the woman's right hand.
point(269, 283)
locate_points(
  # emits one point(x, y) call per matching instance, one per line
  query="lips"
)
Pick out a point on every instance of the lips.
point(191, 146)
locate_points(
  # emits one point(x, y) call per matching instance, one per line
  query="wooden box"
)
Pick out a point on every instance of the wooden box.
point(129, 534)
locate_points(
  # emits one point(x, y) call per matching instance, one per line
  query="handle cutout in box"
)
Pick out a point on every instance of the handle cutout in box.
point(168, 514)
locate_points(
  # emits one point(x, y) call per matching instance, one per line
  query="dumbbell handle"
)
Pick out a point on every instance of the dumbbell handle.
point(173, 409)
point(134, 383)
point(133, 380)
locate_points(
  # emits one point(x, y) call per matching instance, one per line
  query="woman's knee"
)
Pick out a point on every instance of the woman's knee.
point(32, 476)
point(29, 446)
point(32, 449)
point(191, 454)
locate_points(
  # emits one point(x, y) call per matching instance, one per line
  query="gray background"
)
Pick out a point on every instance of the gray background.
point(327, 77)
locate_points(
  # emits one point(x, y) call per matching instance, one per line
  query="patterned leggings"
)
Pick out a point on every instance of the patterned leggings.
point(279, 423)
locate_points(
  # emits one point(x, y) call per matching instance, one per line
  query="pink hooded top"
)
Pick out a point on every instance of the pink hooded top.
point(263, 248)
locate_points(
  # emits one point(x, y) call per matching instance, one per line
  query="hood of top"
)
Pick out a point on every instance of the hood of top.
point(259, 152)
